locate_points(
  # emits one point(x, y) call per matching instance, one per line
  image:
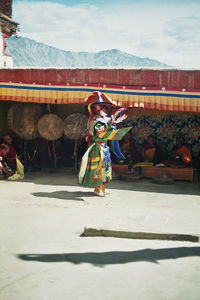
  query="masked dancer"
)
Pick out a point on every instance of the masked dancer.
point(96, 168)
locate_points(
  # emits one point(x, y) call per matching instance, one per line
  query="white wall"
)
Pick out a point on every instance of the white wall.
point(5, 61)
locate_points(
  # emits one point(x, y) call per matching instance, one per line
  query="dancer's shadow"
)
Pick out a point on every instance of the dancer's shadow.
point(65, 195)
point(115, 257)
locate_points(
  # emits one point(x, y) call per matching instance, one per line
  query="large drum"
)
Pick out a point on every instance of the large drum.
point(50, 127)
point(23, 118)
point(75, 126)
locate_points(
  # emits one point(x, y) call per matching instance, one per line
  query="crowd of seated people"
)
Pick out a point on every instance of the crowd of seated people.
point(151, 154)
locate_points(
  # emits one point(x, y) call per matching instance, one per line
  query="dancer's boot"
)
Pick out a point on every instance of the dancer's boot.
point(99, 191)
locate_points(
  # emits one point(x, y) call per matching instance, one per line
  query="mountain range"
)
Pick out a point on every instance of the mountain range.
point(29, 53)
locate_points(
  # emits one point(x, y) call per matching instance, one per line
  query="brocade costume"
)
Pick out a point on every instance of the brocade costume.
point(98, 170)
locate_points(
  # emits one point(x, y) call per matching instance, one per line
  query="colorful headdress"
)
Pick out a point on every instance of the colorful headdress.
point(97, 98)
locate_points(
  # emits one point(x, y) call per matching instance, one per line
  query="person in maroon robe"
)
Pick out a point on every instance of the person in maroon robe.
point(129, 149)
point(3, 167)
point(11, 154)
point(151, 151)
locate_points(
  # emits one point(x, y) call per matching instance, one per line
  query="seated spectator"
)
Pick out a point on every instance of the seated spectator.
point(151, 151)
point(3, 167)
point(129, 149)
point(10, 158)
point(181, 151)
point(151, 155)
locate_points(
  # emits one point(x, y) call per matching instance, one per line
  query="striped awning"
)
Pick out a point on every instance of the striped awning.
point(142, 97)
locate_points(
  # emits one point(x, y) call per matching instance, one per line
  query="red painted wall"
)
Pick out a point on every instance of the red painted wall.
point(153, 78)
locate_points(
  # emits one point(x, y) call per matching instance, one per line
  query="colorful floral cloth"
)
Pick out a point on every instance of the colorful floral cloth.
point(165, 128)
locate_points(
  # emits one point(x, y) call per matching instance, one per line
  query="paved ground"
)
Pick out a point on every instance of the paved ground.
point(44, 257)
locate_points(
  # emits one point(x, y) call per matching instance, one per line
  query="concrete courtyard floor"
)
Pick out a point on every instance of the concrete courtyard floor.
point(43, 257)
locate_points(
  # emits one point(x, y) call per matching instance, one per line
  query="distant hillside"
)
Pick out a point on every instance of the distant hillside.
point(29, 53)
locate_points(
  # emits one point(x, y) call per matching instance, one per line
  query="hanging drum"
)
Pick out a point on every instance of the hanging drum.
point(23, 118)
point(75, 126)
point(50, 127)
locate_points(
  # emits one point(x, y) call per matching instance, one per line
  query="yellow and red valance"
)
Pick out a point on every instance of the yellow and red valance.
point(149, 98)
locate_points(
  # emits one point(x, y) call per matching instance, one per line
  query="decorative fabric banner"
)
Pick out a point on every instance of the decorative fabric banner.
point(150, 98)
point(166, 128)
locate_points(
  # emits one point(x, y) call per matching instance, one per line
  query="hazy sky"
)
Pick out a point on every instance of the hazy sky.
point(161, 29)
